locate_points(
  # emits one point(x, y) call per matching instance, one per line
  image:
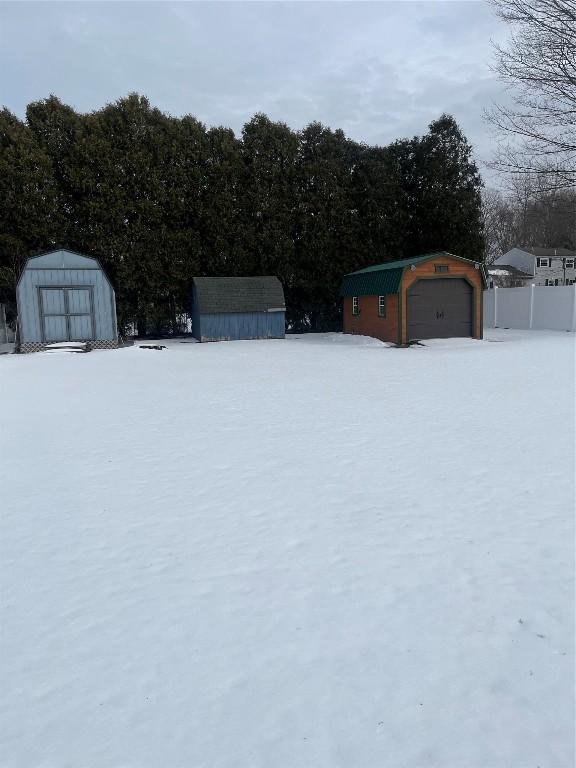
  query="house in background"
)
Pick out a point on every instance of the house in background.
point(541, 266)
point(64, 296)
point(437, 295)
point(234, 308)
point(506, 276)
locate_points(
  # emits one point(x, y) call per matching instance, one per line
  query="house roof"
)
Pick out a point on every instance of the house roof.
point(386, 278)
point(547, 252)
point(508, 269)
point(239, 294)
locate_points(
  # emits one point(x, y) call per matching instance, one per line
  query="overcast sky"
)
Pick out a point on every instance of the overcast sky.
point(379, 71)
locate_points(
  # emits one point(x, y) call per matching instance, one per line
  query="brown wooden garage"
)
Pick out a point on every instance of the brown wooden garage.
point(434, 296)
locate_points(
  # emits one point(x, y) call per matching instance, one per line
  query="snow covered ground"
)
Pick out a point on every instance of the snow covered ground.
point(314, 553)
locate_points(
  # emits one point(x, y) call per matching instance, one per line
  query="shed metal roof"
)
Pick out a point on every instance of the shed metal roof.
point(239, 294)
point(386, 278)
point(62, 258)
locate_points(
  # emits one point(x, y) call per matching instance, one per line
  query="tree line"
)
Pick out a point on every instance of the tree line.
point(160, 199)
point(537, 127)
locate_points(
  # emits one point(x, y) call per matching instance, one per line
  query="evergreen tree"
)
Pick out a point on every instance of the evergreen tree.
point(29, 219)
point(380, 205)
point(443, 191)
point(269, 199)
point(56, 128)
point(325, 226)
point(222, 224)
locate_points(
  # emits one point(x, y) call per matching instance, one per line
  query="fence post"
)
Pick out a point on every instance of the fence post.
point(574, 308)
point(495, 306)
point(531, 306)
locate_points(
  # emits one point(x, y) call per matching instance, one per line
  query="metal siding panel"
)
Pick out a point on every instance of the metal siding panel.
point(55, 328)
point(81, 328)
point(28, 310)
point(235, 326)
point(53, 302)
point(79, 301)
point(196, 323)
point(103, 309)
point(99, 309)
point(107, 309)
point(278, 324)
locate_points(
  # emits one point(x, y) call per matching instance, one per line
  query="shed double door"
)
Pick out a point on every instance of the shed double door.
point(67, 314)
point(440, 308)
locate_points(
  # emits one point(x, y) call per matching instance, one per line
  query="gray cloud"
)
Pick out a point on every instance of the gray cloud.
point(379, 71)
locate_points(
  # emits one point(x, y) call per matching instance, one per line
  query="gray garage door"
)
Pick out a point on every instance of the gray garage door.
point(439, 309)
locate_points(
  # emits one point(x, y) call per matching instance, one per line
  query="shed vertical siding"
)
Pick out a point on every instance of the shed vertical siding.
point(63, 269)
point(233, 326)
point(196, 322)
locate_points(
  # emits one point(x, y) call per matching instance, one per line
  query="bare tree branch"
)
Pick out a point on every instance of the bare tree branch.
point(538, 131)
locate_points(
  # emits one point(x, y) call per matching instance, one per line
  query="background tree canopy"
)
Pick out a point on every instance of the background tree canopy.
point(159, 199)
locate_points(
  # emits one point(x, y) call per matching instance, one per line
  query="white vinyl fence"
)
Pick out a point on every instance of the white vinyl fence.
point(535, 307)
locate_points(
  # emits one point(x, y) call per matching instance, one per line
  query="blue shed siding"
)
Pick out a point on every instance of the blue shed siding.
point(233, 326)
point(196, 327)
point(64, 269)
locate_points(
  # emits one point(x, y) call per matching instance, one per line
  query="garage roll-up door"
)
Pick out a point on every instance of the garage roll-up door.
point(439, 309)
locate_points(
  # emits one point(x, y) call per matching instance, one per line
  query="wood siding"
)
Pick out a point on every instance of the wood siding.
point(456, 268)
point(369, 322)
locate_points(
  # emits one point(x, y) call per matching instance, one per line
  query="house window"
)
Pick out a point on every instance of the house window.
point(440, 267)
point(355, 305)
point(543, 262)
point(381, 306)
point(556, 281)
point(569, 263)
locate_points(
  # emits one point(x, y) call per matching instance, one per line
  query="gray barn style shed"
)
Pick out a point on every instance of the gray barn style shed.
point(233, 308)
point(65, 296)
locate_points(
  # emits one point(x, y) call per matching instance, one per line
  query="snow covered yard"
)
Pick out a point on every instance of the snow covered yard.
point(313, 553)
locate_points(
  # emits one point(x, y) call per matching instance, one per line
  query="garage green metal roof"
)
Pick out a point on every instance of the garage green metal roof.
point(385, 278)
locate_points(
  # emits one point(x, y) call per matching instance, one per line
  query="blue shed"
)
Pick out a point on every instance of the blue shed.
point(232, 308)
point(65, 296)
